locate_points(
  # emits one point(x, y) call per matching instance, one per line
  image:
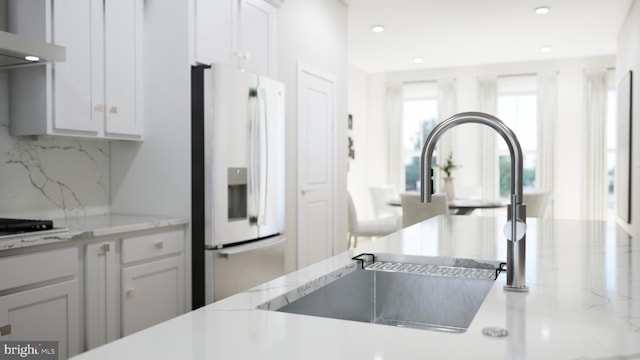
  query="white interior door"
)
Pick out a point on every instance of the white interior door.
point(316, 163)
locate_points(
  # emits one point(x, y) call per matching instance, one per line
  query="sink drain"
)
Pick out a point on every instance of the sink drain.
point(495, 332)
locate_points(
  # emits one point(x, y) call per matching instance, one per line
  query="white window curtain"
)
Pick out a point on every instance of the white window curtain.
point(488, 103)
point(487, 88)
point(393, 117)
point(447, 107)
point(595, 144)
point(547, 110)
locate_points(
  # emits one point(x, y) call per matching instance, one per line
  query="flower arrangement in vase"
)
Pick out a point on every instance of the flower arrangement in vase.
point(448, 168)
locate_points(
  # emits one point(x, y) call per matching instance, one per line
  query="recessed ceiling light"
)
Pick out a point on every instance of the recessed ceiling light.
point(546, 49)
point(31, 58)
point(542, 10)
point(418, 60)
point(377, 28)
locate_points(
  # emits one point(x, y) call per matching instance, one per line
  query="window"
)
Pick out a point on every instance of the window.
point(517, 107)
point(419, 114)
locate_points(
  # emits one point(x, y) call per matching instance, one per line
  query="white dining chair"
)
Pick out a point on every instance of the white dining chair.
point(537, 202)
point(415, 211)
point(368, 228)
point(381, 196)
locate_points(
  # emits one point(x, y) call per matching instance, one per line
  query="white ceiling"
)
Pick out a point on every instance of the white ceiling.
point(448, 33)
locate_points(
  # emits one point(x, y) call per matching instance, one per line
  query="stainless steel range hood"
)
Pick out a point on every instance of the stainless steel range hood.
point(16, 50)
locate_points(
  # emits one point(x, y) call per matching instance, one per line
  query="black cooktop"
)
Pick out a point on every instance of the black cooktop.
point(17, 226)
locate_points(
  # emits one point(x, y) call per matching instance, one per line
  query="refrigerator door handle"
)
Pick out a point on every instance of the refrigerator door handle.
point(256, 245)
point(263, 155)
point(253, 115)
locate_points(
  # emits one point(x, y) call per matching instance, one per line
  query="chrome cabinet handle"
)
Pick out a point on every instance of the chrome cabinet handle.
point(5, 330)
point(242, 54)
point(105, 248)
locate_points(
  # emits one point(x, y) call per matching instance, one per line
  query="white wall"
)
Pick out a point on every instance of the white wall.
point(154, 177)
point(357, 171)
point(313, 32)
point(629, 59)
point(569, 171)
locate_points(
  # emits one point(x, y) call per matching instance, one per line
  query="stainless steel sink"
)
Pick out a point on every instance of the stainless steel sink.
point(424, 293)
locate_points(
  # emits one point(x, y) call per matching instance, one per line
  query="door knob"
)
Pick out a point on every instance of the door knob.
point(305, 190)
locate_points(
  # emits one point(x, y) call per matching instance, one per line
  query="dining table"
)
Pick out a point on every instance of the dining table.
point(464, 206)
point(467, 206)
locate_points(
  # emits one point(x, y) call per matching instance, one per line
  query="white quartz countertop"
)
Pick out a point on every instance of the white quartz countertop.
point(84, 227)
point(583, 303)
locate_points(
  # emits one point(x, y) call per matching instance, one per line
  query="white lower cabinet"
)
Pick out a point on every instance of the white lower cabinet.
point(127, 284)
point(152, 279)
point(48, 313)
point(152, 293)
point(133, 283)
point(40, 299)
point(101, 294)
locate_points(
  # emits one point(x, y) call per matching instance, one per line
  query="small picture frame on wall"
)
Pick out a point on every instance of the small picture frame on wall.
point(623, 158)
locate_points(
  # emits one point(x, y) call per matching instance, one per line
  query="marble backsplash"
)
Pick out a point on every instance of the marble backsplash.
point(50, 177)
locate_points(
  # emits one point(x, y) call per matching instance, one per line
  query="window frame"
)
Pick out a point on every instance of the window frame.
point(519, 87)
point(419, 91)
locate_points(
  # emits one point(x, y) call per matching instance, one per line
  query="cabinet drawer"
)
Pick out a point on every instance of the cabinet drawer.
point(153, 245)
point(21, 270)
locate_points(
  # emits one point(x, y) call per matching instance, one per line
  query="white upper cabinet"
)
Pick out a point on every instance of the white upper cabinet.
point(243, 33)
point(97, 92)
point(258, 38)
point(214, 35)
point(123, 56)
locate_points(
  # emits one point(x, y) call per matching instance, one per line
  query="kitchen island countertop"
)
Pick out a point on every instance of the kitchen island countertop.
point(583, 303)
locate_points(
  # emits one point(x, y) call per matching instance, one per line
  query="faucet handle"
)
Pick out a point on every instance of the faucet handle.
point(431, 179)
point(521, 229)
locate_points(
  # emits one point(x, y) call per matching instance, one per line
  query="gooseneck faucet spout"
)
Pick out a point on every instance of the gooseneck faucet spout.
point(515, 229)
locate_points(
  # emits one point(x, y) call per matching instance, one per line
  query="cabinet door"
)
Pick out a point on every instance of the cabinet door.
point(151, 293)
point(123, 67)
point(101, 294)
point(48, 313)
point(77, 84)
point(216, 31)
point(258, 37)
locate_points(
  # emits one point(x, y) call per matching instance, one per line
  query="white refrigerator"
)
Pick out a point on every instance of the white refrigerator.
point(238, 180)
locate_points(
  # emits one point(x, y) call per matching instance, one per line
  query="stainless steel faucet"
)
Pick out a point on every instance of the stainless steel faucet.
point(515, 231)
